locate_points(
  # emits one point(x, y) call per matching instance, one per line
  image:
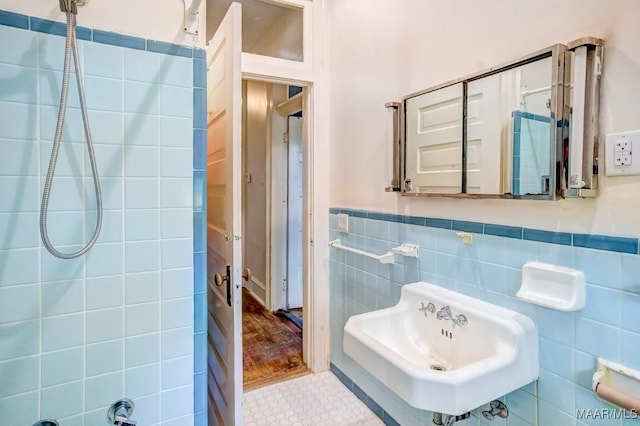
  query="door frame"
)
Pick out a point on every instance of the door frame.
point(311, 75)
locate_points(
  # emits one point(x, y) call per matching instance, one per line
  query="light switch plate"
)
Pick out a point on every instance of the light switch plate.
point(343, 223)
point(622, 154)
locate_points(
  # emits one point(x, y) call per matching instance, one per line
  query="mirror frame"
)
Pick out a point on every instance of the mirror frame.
point(559, 114)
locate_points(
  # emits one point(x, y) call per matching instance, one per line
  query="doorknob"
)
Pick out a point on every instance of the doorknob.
point(219, 279)
point(246, 274)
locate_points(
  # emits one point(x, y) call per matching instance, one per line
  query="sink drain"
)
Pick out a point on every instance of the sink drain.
point(437, 367)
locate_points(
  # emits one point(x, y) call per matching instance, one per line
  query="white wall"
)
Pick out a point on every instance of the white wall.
point(152, 19)
point(255, 130)
point(380, 51)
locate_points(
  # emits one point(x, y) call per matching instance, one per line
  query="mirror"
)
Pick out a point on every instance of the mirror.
point(509, 131)
point(525, 129)
point(488, 134)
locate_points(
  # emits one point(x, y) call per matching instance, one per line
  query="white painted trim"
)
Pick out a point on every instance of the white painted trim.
point(257, 67)
point(318, 212)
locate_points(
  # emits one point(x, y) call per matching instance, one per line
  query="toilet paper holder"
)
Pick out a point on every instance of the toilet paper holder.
point(617, 384)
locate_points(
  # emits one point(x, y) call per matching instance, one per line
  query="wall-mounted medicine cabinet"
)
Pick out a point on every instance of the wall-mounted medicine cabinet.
point(527, 129)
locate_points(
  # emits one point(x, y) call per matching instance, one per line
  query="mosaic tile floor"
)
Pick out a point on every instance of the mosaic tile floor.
point(312, 400)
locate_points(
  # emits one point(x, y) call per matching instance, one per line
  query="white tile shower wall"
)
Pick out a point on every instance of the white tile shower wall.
point(76, 335)
point(490, 269)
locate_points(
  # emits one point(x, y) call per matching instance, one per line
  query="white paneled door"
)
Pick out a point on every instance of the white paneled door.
point(484, 134)
point(434, 141)
point(224, 221)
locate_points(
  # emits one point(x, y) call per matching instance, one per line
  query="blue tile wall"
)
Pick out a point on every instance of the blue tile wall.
point(125, 320)
point(199, 236)
point(490, 269)
point(528, 128)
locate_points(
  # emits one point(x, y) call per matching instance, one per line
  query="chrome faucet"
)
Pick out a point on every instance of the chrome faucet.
point(120, 412)
point(445, 314)
point(429, 308)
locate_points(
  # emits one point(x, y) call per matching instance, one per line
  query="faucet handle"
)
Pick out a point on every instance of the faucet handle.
point(120, 411)
point(123, 421)
point(429, 308)
point(460, 321)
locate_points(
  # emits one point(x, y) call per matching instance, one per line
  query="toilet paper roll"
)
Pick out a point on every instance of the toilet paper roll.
point(618, 398)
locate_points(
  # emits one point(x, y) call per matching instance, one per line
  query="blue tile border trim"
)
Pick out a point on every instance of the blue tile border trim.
point(503, 231)
point(116, 39)
point(562, 238)
point(200, 54)
point(362, 396)
point(169, 48)
point(530, 116)
point(15, 20)
point(603, 242)
point(47, 26)
point(629, 245)
point(459, 225)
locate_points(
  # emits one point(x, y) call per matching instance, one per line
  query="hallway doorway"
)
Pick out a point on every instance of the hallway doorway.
point(272, 205)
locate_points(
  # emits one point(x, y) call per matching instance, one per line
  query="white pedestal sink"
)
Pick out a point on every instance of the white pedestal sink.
point(446, 360)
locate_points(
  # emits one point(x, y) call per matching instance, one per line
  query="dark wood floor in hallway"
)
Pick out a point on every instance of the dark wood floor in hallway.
point(272, 346)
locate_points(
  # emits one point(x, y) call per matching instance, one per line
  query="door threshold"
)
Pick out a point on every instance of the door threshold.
point(274, 380)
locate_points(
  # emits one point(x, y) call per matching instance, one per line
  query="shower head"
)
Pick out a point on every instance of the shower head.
point(69, 6)
point(72, 5)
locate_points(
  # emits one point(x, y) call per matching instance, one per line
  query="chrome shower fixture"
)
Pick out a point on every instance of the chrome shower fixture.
point(71, 5)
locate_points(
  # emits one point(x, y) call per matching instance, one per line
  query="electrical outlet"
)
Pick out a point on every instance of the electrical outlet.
point(619, 151)
point(622, 159)
point(343, 223)
point(623, 145)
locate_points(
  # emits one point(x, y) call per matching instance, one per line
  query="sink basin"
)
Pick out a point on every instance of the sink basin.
point(443, 363)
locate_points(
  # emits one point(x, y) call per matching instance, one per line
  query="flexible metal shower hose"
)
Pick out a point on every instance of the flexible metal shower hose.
point(71, 46)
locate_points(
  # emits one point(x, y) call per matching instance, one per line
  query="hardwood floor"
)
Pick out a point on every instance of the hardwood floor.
point(272, 346)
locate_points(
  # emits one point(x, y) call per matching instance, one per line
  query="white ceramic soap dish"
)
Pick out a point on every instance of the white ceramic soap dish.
point(553, 286)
